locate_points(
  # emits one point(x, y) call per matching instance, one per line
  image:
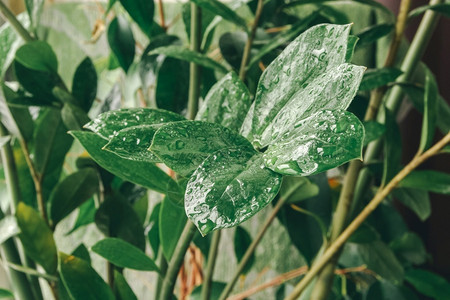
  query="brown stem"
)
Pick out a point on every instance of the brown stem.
point(161, 16)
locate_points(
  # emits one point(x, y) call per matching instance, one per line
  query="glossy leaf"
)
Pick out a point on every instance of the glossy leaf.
point(37, 238)
point(122, 289)
point(417, 200)
point(226, 103)
point(430, 111)
point(296, 189)
point(323, 81)
point(81, 280)
point(185, 54)
point(183, 146)
point(373, 131)
point(428, 283)
point(432, 181)
point(38, 56)
point(247, 125)
point(443, 8)
point(410, 247)
point(82, 252)
point(222, 10)
point(4, 293)
point(373, 33)
point(124, 255)
point(229, 187)
point(121, 41)
point(142, 173)
point(8, 228)
point(323, 141)
point(171, 222)
point(84, 85)
point(71, 192)
point(242, 241)
point(388, 291)
point(374, 78)
point(141, 11)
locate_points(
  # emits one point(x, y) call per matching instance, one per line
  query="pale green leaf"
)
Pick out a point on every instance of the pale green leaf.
point(8, 228)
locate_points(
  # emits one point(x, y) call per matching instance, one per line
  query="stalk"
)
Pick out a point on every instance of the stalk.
point(206, 286)
point(163, 268)
point(11, 18)
point(161, 15)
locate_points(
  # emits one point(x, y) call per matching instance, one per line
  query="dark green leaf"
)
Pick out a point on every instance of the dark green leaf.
point(323, 141)
point(38, 56)
point(392, 148)
point(121, 41)
point(375, 78)
point(373, 131)
point(145, 174)
point(364, 234)
point(232, 46)
point(183, 146)
point(29, 101)
point(410, 247)
point(432, 181)
point(373, 33)
point(384, 290)
point(37, 238)
point(222, 10)
point(84, 85)
point(82, 252)
point(153, 233)
point(417, 200)
point(443, 8)
point(430, 111)
point(429, 284)
point(226, 103)
point(123, 290)
point(296, 189)
point(322, 81)
point(73, 117)
point(71, 192)
point(124, 255)
point(171, 221)
point(216, 290)
point(81, 280)
point(8, 228)
point(6, 294)
point(185, 54)
point(85, 216)
point(141, 11)
point(242, 241)
point(229, 187)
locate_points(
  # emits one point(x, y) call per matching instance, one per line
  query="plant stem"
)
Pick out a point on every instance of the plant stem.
point(373, 204)
point(161, 15)
point(194, 69)
point(206, 286)
point(249, 43)
point(11, 18)
point(163, 268)
point(175, 262)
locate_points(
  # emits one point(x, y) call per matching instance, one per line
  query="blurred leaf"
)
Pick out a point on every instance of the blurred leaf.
point(226, 103)
point(232, 46)
point(73, 117)
point(432, 181)
point(446, 149)
point(392, 148)
point(371, 34)
point(122, 289)
point(430, 111)
point(216, 290)
point(388, 222)
point(38, 56)
point(410, 247)
point(30, 271)
point(417, 200)
point(36, 237)
point(140, 206)
point(8, 228)
point(442, 8)
point(428, 283)
point(374, 78)
point(82, 252)
point(384, 290)
point(352, 41)
point(242, 241)
point(171, 221)
point(84, 85)
point(6, 293)
point(373, 131)
point(86, 215)
point(141, 11)
point(81, 280)
point(297, 189)
point(142, 173)
point(153, 233)
point(222, 10)
point(364, 234)
point(124, 255)
point(10, 41)
point(29, 101)
point(4, 140)
point(121, 41)
point(71, 192)
point(34, 9)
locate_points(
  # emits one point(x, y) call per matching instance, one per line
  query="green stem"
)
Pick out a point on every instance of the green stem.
point(175, 262)
point(249, 43)
point(11, 18)
point(206, 286)
point(194, 69)
point(163, 268)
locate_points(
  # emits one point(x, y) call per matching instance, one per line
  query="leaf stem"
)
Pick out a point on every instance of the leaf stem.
point(354, 225)
point(161, 16)
point(206, 286)
point(194, 69)
point(177, 259)
point(249, 43)
point(11, 18)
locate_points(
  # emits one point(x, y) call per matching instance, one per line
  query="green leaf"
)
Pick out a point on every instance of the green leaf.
point(71, 192)
point(410, 247)
point(82, 252)
point(84, 85)
point(34, 9)
point(373, 131)
point(124, 255)
point(323, 141)
point(384, 290)
point(6, 294)
point(153, 233)
point(185, 54)
point(417, 200)
point(38, 56)
point(442, 8)
point(8, 228)
point(446, 149)
point(392, 148)
point(142, 173)
point(296, 189)
point(322, 81)
point(86, 215)
point(232, 46)
point(374, 78)
point(73, 117)
point(428, 283)
point(4, 140)
point(216, 290)
point(222, 10)
point(121, 287)
point(430, 111)
point(373, 33)
point(226, 103)
point(37, 238)
point(242, 241)
point(183, 146)
point(121, 41)
point(229, 187)
point(141, 11)
point(364, 234)
point(432, 181)
point(171, 222)
point(351, 46)
point(81, 280)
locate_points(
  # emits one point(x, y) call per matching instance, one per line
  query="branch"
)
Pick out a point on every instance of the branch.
point(11, 18)
point(206, 286)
